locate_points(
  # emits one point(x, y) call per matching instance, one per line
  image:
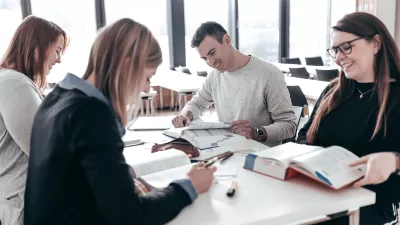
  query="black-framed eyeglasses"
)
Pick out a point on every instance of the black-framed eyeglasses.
point(344, 47)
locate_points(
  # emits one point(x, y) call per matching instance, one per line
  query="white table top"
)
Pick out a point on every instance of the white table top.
point(178, 81)
point(151, 93)
point(312, 89)
point(262, 200)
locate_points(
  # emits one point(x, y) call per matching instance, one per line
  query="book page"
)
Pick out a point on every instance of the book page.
point(159, 161)
point(201, 125)
point(214, 141)
point(163, 178)
point(285, 152)
point(332, 164)
point(239, 146)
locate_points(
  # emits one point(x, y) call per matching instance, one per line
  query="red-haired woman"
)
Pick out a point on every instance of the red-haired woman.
point(36, 46)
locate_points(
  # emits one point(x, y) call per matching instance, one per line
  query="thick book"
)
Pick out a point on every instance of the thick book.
point(158, 170)
point(329, 166)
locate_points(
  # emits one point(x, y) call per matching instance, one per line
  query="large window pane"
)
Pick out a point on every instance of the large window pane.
point(152, 13)
point(196, 13)
point(77, 18)
point(10, 18)
point(309, 29)
point(340, 8)
point(259, 28)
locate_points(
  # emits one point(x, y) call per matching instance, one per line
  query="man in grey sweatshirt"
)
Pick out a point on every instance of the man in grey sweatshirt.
point(248, 92)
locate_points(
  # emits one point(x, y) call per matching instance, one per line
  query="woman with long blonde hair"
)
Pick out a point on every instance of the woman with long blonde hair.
point(77, 172)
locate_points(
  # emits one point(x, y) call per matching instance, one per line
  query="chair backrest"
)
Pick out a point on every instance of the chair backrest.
point(287, 60)
point(327, 75)
point(299, 72)
point(298, 112)
point(297, 96)
point(314, 61)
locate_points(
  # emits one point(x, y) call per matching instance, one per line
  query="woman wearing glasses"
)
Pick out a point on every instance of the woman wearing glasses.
point(360, 110)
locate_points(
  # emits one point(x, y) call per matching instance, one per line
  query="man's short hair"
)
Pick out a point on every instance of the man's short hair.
point(210, 28)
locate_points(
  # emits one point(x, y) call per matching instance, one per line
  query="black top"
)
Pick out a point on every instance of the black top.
point(77, 173)
point(351, 125)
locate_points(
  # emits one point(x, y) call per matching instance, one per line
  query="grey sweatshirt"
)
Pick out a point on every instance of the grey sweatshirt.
point(256, 92)
point(19, 100)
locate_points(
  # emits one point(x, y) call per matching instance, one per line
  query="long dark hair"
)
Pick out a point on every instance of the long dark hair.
point(386, 67)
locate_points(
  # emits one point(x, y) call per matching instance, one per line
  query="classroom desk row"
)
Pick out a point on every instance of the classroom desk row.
point(260, 199)
point(184, 84)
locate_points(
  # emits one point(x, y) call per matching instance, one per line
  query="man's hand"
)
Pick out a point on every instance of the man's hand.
point(180, 121)
point(243, 127)
point(183, 119)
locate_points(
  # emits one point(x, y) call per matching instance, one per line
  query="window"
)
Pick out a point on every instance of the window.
point(10, 18)
point(196, 13)
point(152, 13)
point(309, 28)
point(340, 8)
point(259, 28)
point(78, 19)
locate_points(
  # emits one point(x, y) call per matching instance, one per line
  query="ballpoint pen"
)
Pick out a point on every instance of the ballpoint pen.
point(226, 157)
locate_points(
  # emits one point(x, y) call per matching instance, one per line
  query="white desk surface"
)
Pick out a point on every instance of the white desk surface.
point(151, 93)
point(260, 199)
point(178, 81)
point(312, 89)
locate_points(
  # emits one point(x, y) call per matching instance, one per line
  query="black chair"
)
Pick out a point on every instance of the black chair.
point(287, 60)
point(300, 107)
point(327, 75)
point(300, 72)
point(314, 61)
point(298, 98)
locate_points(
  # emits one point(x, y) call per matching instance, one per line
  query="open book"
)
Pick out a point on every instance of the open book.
point(159, 169)
point(158, 161)
point(329, 166)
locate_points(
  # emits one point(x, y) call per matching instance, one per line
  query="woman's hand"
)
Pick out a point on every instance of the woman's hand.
point(379, 167)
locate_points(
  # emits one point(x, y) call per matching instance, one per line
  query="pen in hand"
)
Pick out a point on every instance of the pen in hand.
point(226, 157)
point(210, 162)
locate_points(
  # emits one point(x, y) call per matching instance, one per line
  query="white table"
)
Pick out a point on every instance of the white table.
point(264, 200)
point(179, 82)
point(312, 89)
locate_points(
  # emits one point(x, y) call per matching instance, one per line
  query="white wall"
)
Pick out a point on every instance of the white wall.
point(386, 11)
point(397, 23)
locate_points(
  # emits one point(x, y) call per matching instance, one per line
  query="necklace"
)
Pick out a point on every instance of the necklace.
point(363, 93)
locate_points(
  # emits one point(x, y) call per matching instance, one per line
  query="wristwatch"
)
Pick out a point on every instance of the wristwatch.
point(261, 134)
point(397, 163)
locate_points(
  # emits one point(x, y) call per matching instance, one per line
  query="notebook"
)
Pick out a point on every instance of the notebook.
point(151, 123)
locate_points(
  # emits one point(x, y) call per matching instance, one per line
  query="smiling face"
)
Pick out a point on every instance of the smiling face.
point(215, 54)
point(53, 54)
point(359, 63)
